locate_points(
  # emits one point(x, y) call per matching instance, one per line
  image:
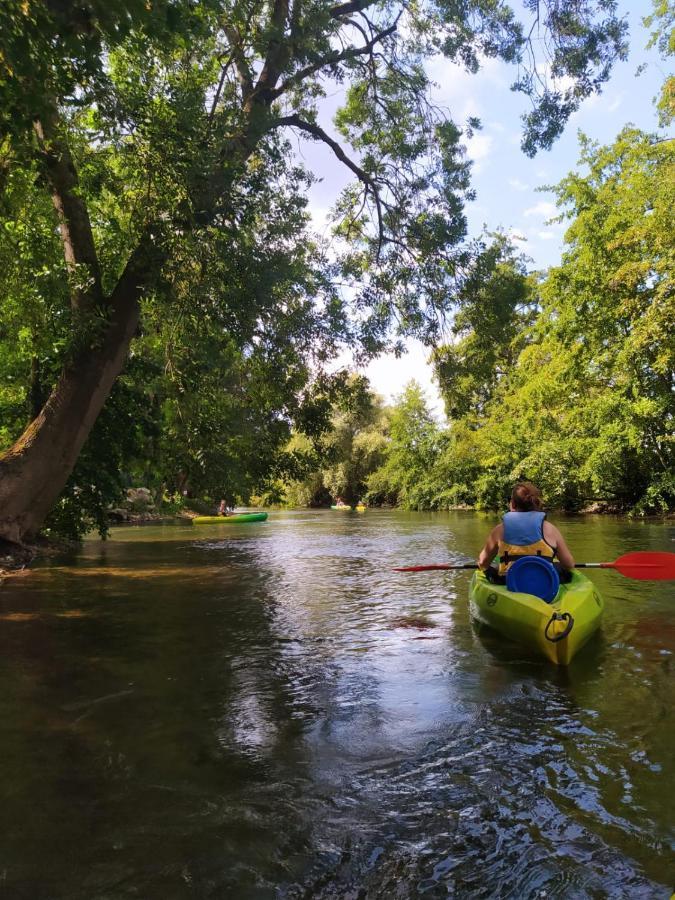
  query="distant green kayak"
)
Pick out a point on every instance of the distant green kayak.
point(230, 520)
point(342, 507)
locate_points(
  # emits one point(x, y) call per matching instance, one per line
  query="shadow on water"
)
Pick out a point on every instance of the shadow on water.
point(275, 713)
point(140, 715)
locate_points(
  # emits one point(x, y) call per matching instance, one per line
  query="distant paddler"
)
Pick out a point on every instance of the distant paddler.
point(340, 504)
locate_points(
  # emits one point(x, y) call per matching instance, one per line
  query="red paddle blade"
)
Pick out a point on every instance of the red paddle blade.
point(645, 565)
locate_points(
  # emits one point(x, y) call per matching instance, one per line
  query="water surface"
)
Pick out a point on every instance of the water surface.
point(267, 710)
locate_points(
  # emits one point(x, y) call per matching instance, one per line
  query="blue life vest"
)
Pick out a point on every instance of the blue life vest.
point(523, 536)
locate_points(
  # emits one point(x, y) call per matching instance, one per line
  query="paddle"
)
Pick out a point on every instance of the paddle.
point(643, 565)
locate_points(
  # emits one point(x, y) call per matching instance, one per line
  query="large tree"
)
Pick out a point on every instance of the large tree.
point(145, 123)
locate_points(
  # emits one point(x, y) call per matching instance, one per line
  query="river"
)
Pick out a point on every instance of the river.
point(269, 711)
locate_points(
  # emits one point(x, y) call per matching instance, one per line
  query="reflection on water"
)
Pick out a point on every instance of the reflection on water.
point(275, 713)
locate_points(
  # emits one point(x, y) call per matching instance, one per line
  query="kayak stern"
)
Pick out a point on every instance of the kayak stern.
point(556, 630)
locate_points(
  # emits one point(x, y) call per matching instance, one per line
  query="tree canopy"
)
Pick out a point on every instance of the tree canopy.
point(564, 378)
point(154, 136)
point(585, 408)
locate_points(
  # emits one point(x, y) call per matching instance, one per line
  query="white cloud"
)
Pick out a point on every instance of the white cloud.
point(454, 81)
point(591, 102)
point(588, 105)
point(320, 216)
point(616, 103)
point(516, 235)
point(457, 90)
point(561, 83)
point(544, 208)
point(495, 71)
point(478, 148)
point(546, 235)
point(518, 185)
point(389, 375)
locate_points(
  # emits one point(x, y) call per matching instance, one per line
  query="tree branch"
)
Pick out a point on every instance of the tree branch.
point(243, 70)
point(294, 121)
point(277, 49)
point(296, 18)
point(141, 268)
point(320, 135)
point(219, 90)
point(346, 9)
point(350, 53)
point(74, 223)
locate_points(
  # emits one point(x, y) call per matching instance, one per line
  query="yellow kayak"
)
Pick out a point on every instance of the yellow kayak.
point(556, 630)
point(360, 508)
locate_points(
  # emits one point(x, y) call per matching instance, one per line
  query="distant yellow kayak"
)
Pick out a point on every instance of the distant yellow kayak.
point(360, 508)
point(556, 630)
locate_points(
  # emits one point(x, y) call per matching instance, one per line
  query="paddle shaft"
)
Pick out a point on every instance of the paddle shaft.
point(643, 565)
point(435, 566)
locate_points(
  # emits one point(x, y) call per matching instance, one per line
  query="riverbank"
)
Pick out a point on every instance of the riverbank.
point(594, 509)
point(16, 558)
point(13, 558)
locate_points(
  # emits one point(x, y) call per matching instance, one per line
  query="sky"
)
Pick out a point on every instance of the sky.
point(510, 187)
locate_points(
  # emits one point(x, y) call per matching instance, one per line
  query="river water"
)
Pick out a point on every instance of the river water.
point(268, 711)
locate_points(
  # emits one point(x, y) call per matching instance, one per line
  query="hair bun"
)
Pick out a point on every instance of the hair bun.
point(526, 497)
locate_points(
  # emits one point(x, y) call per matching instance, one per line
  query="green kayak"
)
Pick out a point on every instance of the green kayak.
point(556, 630)
point(230, 520)
point(342, 507)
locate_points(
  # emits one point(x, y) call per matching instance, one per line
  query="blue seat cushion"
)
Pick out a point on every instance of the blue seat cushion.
point(533, 575)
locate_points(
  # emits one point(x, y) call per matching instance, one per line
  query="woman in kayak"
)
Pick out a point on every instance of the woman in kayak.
point(524, 531)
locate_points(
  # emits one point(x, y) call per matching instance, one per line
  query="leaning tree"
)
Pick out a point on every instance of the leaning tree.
point(142, 121)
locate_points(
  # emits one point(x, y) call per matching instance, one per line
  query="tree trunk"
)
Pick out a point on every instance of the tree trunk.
point(34, 471)
point(36, 394)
